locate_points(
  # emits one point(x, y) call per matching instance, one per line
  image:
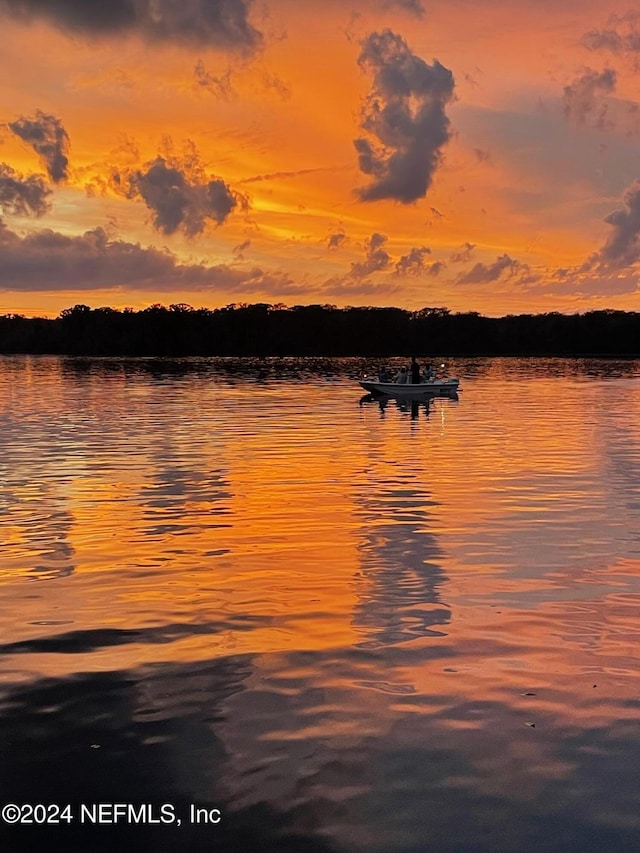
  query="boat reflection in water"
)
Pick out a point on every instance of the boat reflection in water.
point(412, 404)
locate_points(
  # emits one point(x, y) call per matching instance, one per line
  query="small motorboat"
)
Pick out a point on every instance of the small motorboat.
point(429, 387)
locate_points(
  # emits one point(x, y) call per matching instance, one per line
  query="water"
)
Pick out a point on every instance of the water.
point(347, 627)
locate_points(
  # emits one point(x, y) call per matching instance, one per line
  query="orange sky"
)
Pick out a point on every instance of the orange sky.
point(205, 152)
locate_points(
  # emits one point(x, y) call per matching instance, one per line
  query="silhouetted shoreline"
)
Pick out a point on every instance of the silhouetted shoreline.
point(318, 330)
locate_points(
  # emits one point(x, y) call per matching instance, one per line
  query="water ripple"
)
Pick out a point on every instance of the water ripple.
point(353, 626)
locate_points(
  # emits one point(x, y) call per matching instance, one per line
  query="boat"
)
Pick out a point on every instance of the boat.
point(430, 387)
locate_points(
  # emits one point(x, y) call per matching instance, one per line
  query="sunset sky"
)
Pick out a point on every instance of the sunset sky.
point(482, 156)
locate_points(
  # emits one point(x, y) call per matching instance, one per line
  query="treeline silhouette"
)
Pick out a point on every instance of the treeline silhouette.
point(277, 330)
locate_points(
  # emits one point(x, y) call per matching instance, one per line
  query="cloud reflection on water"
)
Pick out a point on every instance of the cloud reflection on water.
point(349, 632)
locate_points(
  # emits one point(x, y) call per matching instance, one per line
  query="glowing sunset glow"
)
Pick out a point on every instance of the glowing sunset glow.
point(493, 145)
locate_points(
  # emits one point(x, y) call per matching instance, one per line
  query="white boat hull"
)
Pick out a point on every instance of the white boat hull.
point(396, 389)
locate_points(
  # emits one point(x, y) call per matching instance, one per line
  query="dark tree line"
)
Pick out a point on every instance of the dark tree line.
point(306, 330)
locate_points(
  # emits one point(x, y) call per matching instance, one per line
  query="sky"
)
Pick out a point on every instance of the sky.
point(474, 155)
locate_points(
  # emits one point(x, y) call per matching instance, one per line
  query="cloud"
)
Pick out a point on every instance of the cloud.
point(346, 287)
point(482, 155)
point(405, 116)
point(620, 36)
point(412, 7)
point(580, 283)
point(274, 176)
point(612, 270)
point(22, 196)
point(180, 195)
point(583, 99)
point(48, 138)
point(464, 254)
point(240, 249)
point(622, 247)
point(214, 23)
point(486, 273)
point(357, 282)
point(217, 85)
point(334, 241)
point(436, 267)
point(47, 260)
point(377, 257)
point(273, 83)
point(413, 263)
point(603, 40)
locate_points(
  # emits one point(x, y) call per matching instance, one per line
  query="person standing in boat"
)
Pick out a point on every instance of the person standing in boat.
point(383, 376)
point(402, 377)
point(415, 371)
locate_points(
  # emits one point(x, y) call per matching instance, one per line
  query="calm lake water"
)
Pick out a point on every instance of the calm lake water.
point(347, 627)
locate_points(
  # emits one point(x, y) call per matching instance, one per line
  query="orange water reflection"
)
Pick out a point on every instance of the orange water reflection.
point(461, 587)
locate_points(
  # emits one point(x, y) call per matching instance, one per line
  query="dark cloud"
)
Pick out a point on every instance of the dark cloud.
point(216, 23)
point(486, 273)
point(603, 40)
point(22, 196)
point(181, 197)
point(414, 262)
point(48, 138)
point(464, 254)
point(405, 116)
point(218, 85)
point(583, 99)
point(357, 281)
point(580, 282)
point(273, 176)
point(622, 247)
point(377, 257)
point(612, 270)
point(47, 260)
point(621, 35)
point(412, 7)
point(240, 249)
point(334, 241)
point(436, 267)
point(273, 83)
point(482, 156)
